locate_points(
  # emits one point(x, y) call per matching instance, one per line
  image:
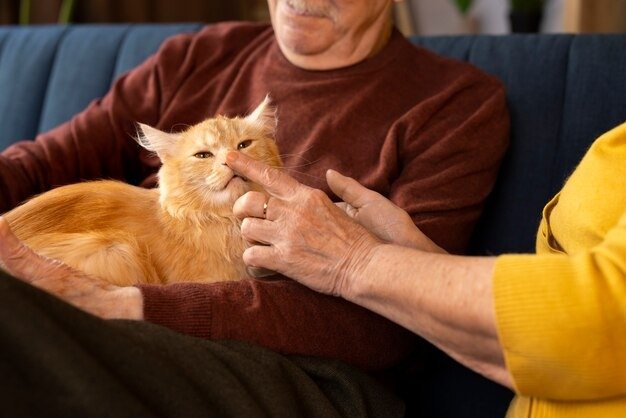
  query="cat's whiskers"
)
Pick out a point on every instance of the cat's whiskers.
point(291, 169)
point(300, 154)
point(216, 179)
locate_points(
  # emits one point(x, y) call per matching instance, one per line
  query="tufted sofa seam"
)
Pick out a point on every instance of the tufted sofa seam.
point(53, 62)
point(555, 179)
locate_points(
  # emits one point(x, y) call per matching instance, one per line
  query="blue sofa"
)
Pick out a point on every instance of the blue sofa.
point(563, 91)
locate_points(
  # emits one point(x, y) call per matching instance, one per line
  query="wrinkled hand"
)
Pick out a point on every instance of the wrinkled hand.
point(77, 288)
point(305, 235)
point(378, 214)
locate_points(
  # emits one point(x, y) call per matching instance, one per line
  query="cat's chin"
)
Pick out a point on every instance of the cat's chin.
point(236, 181)
point(234, 189)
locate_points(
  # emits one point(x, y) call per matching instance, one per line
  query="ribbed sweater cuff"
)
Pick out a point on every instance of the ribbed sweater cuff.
point(185, 308)
point(527, 297)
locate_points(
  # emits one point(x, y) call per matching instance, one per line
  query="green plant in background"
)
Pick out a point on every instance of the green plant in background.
point(463, 5)
point(527, 6)
point(65, 11)
point(24, 12)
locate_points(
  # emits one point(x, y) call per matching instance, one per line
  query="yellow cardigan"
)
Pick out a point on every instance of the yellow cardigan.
point(561, 314)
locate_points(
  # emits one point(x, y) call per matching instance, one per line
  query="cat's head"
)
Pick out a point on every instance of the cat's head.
point(194, 180)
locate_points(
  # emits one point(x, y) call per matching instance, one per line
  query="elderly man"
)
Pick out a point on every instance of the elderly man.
point(353, 95)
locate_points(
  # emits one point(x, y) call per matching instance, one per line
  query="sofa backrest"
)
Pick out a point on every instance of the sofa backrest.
point(50, 73)
point(563, 91)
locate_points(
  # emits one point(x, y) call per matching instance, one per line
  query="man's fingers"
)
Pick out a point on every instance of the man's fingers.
point(14, 255)
point(350, 210)
point(8, 241)
point(4, 230)
point(260, 257)
point(250, 205)
point(259, 272)
point(17, 258)
point(275, 181)
point(257, 230)
point(349, 190)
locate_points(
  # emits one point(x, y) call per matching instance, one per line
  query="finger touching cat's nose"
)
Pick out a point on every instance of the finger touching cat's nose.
point(276, 182)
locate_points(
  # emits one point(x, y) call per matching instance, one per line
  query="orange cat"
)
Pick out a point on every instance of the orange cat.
point(182, 231)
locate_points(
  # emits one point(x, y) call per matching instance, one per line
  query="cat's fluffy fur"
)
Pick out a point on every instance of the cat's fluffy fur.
point(182, 231)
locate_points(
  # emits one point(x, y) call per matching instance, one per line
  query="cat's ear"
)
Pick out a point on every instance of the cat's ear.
point(155, 140)
point(264, 117)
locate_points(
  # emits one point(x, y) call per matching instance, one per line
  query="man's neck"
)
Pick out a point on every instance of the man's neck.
point(344, 54)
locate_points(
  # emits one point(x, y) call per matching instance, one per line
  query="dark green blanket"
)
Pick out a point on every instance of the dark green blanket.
point(59, 361)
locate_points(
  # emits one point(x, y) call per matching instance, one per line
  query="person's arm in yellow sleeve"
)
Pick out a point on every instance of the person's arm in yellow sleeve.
point(562, 320)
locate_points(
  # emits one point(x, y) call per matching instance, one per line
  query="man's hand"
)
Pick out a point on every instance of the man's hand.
point(299, 232)
point(378, 214)
point(77, 288)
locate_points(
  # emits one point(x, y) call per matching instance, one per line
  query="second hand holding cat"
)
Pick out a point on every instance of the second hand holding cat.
point(77, 288)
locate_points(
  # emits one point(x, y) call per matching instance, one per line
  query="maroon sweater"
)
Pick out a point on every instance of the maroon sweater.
point(425, 131)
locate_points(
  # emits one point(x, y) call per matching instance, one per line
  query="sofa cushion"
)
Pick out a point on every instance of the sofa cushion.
point(26, 59)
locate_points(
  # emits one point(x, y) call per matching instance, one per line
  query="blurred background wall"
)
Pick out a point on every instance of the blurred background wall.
point(112, 11)
point(493, 16)
point(413, 16)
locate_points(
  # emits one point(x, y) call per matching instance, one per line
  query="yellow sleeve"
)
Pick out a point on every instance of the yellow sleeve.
point(562, 320)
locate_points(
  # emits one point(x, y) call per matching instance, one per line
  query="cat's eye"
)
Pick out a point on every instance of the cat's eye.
point(244, 144)
point(203, 154)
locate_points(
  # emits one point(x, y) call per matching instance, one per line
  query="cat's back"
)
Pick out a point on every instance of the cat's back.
point(92, 205)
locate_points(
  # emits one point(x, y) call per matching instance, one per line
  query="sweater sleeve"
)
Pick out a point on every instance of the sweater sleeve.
point(281, 315)
point(98, 142)
point(450, 156)
point(562, 320)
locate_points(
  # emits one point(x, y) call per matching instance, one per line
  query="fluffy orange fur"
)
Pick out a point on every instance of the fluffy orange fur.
point(182, 231)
